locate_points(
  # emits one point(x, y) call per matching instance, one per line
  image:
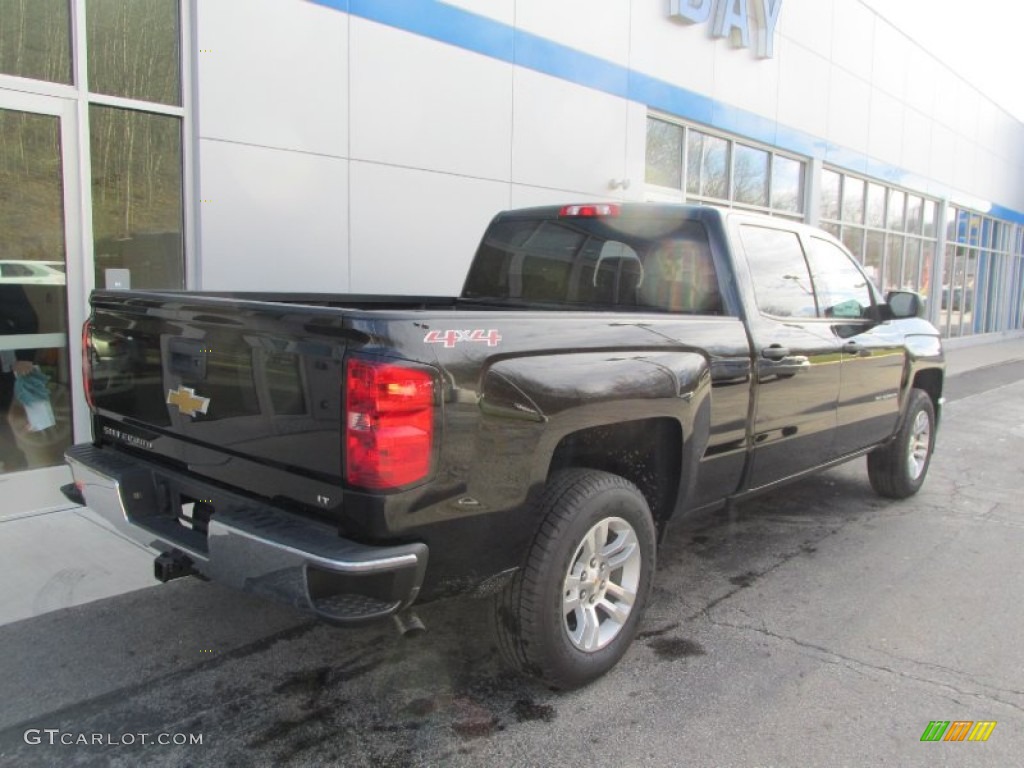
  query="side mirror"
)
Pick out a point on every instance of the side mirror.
point(904, 304)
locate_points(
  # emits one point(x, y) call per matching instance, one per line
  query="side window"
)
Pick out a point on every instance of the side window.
point(782, 282)
point(843, 290)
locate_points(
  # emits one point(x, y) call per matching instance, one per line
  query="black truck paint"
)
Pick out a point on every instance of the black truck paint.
point(647, 358)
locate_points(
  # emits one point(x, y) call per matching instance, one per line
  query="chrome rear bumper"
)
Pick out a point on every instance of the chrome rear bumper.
point(247, 544)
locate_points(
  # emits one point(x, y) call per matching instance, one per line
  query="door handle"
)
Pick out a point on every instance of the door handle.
point(775, 352)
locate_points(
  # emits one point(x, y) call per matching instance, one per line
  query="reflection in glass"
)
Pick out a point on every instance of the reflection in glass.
point(853, 239)
point(927, 259)
point(782, 282)
point(134, 49)
point(788, 184)
point(707, 166)
point(876, 206)
point(136, 192)
point(968, 302)
point(664, 154)
point(952, 217)
point(914, 209)
point(830, 184)
point(842, 289)
point(874, 255)
point(35, 415)
point(896, 215)
point(930, 214)
point(947, 292)
point(853, 200)
point(893, 263)
point(911, 266)
point(35, 39)
point(750, 175)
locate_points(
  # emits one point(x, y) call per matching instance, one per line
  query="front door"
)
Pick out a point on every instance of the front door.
point(797, 357)
point(37, 373)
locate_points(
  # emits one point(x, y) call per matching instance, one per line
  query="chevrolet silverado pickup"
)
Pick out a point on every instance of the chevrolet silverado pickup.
point(606, 369)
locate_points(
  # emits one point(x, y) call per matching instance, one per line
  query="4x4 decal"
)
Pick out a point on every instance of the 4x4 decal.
point(450, 338)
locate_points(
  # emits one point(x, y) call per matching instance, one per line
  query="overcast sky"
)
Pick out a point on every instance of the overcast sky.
point(978, 39)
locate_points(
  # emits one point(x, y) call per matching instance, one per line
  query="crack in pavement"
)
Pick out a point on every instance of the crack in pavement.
point(857, 665)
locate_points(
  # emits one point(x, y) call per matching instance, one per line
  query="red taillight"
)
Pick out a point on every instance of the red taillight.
point(389, 424)
point(87, 364)
point(590, 210)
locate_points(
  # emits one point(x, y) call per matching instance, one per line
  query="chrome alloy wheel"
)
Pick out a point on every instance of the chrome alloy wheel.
point(919, 445)
point(601, 584)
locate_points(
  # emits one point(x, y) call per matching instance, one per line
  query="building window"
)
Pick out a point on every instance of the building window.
point(134, 49)
point(35, 39)
point(137, 196)
point(982, 265)
point(135, 127)
point(890, 231)
point(688, 164)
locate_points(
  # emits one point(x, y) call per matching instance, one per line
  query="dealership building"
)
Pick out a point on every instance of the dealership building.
point(362, 146)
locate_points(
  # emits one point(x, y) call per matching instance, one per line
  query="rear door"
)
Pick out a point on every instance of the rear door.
point(797, 355)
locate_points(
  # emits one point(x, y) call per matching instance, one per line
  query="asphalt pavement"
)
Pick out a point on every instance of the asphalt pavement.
point(816, 626)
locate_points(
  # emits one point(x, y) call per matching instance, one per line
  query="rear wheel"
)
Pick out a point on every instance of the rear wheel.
point(573, 609)
point(898, 469)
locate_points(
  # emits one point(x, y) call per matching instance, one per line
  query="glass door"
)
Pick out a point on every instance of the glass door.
point(37, 375)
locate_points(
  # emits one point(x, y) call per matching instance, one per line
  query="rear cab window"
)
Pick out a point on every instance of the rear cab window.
point(643, 265)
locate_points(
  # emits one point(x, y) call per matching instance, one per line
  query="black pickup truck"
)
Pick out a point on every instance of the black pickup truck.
point(606, 369)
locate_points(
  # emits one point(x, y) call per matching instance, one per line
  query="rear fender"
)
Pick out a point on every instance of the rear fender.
point(531, 404)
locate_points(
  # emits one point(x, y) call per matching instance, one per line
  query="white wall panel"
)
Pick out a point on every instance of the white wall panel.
point(565, 136)
point(988, 124)
point(965, 166)
point(636, 152)
point(670, 50)
point(853, 37)
point(599, 28)
point(423, 104)
point(803, 89)
point(922, 70)
point(415, 232)
point(917, 142)
point(499, 10)
point(968, 105)
point(808, 22)
point(885, 135)
point(746, 83)
point(272, 219)
point(523, 196)
point(849, 104)
point(891, 55)
point(273, 73)
point(942, 151)
point(945, 109)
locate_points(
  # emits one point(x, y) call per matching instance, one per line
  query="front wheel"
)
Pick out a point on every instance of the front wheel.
point(573, 609)
point(897, 470)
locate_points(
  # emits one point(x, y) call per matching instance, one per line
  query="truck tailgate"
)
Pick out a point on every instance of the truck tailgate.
point(214, 386)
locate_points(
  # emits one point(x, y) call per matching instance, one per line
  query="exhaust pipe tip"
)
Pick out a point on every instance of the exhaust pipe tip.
point(409, 625)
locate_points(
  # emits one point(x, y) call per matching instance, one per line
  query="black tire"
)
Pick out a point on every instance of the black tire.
point(898, 469)
point(547, 623)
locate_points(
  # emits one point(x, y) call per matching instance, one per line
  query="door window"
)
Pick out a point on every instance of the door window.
point(782, 282)
point(843, 290)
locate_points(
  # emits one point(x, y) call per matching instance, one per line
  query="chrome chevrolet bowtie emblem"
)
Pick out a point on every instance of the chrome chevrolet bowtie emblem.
point(188, 401)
